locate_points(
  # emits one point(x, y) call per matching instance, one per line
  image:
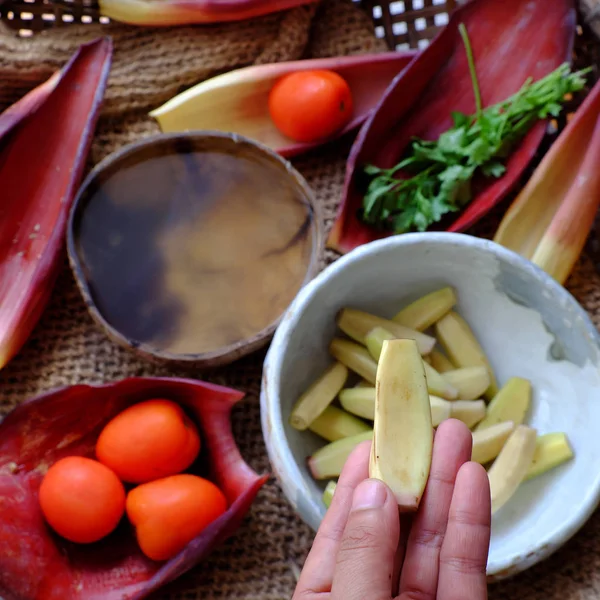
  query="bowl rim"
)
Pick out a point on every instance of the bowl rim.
point(284, 465)
point(226, 354)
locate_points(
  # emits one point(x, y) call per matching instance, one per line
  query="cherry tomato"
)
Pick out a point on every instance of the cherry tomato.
point(81, 499)
point(307, 106)
point(149, 440)
point(169, 513)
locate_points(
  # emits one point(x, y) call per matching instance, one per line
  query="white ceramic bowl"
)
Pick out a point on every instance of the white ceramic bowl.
point(528, 325)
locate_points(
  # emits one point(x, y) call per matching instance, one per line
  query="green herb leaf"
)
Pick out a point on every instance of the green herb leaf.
point(443, 169)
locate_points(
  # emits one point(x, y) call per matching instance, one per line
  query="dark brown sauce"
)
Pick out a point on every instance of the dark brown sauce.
point(191, 250)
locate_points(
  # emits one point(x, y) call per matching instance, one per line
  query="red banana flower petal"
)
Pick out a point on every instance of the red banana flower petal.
point(36, 564)
point(237, 101)
point(550, 220)
point(512, 40)
point(44, 142)
point(181, 12)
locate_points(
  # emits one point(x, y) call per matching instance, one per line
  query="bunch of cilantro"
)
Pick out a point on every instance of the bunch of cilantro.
point(444, 169)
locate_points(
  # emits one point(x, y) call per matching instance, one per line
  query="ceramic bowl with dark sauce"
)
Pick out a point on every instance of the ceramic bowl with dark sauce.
point(189, 247)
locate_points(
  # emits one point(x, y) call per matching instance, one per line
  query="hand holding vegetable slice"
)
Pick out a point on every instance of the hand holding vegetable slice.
point(40, 167)
point(67, 422)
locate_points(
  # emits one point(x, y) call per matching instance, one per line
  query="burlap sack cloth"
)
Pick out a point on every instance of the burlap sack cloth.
point(150, 66)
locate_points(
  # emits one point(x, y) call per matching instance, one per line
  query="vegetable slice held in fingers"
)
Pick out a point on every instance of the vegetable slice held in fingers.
point(238, 101)
point(182, 12)
point(551, 218)
point(67, 421)
point(41, 164)
point(511, 41)
point(402, 430)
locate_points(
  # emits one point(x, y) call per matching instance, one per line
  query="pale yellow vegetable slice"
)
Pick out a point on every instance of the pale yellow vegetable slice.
point(470, 382)
point(402, 429)
point(470, 412)
point(318, 396)
point(361, 402)
point(425, 311)
point(511, 465)
point(334, 424)
point(509, 404)
point(552, 450)
point(436, 384)
point(356, 324)
point(440, 410)
point(440, 362)
point(462, 347)
point(355, 357)
point(329, 460)
point(328, 493)
point(487, 443)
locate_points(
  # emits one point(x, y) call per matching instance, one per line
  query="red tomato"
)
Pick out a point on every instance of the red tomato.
point(149, 440)
point(169, 513)
point(81, 499)
point(307, 106)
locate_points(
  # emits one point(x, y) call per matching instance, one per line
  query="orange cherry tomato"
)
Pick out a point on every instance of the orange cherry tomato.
point(169, 513)
point(149, 440)
point(81, 499)
point(307, 106)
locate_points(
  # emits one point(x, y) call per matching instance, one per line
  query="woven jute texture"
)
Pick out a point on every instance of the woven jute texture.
point(150, 66)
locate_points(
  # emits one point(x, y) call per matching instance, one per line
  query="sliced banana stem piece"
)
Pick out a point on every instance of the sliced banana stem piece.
point(328, 461)
point(425, 311)
point(356, 324)
point(462, 347)
point(334, 424)
point(361, 402)
point(318, 396)
point(487, 443)
point(440, 362)
point(402, 429)
point(440, 410)
point(328, 493)
point(511, 465)
point(436, 384)
point(470, 382)
point(552, 450)
point(355, 357)
point(511, 403)
point(470, 412)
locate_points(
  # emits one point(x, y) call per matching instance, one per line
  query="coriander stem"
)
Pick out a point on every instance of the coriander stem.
point(465, 37)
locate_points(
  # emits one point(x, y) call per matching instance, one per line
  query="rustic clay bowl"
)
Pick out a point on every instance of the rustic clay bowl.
point(189, 247)
point(528, 325)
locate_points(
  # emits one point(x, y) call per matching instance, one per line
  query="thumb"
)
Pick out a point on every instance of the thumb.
point(365, 560)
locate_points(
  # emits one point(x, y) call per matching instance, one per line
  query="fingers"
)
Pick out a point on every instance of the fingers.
point(463, 557)
point(317, 573)
point(451, 449)
point(365, 560)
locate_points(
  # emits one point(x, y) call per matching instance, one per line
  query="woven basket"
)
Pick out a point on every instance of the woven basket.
point(403, 24)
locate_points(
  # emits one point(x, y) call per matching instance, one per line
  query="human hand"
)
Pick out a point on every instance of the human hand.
point(364, 551)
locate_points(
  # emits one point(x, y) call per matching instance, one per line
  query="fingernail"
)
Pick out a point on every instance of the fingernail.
point(370, 493)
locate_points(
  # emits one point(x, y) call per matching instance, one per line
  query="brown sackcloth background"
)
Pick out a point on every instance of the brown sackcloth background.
point(150, 66)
